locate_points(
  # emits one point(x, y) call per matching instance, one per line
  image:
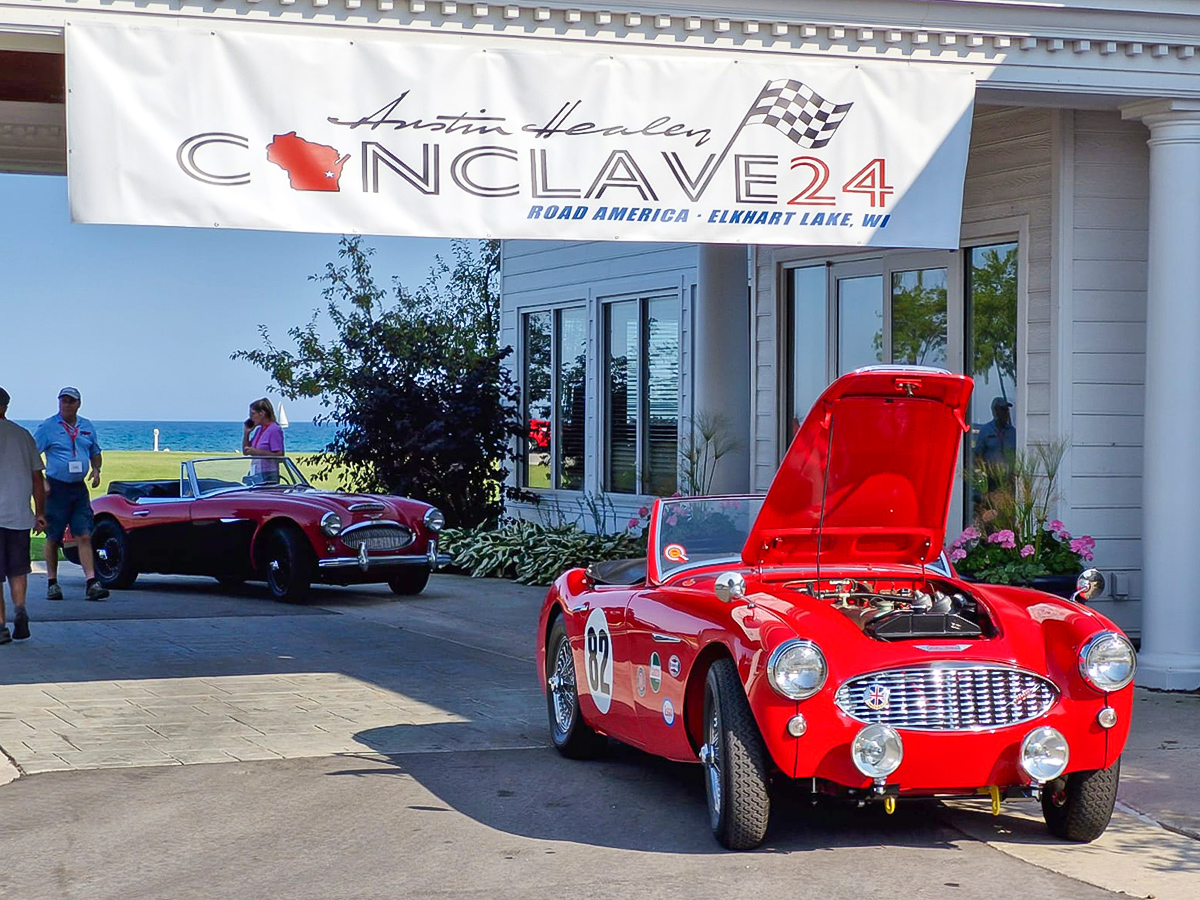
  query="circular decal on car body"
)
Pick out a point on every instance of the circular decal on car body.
point(668, 711)
point(598, 659)
point(641, 681)
point(655, 672)
point(673, 666)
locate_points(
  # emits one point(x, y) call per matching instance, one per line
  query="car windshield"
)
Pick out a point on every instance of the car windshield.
point(699, 530)
point(241, 472)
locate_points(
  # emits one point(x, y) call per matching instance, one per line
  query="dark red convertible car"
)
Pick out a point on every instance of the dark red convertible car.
point(239, 519)
point(818, 634)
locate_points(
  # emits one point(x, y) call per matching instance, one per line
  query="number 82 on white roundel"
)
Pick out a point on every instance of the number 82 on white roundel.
point(598, 660)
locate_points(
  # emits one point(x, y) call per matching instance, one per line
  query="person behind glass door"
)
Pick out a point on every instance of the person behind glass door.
point(995, 449)
point(262, 437)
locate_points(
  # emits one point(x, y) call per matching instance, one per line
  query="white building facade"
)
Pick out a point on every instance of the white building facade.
point(1072, 293)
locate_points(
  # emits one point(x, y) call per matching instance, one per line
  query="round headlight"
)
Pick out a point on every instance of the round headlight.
point(331, 524)
point(877, 751)
point(1107, 661)
point(1044, 754)
point(434, 520)
point(797, 669)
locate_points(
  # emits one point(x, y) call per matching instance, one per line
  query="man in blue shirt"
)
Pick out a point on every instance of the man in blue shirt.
point(71, 448)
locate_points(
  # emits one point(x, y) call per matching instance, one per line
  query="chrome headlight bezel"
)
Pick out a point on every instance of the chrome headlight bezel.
point(782, 655)
point(331, 524)
point(434, 520)
point(1089, 665)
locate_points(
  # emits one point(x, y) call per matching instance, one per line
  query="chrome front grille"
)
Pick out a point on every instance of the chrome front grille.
point(950, 696)
point(378, 537)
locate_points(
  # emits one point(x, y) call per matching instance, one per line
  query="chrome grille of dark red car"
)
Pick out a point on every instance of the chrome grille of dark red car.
point(947, 696)
point(378, 537)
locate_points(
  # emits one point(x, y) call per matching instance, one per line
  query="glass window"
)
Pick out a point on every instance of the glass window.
point(641, 357)
point(555, 384)
point(662, 396)
point(622, 363)
point(538, 408)
point(919, 330)
point(572, 405)
point(807, 335)
point(991, 355)
point(860, 322)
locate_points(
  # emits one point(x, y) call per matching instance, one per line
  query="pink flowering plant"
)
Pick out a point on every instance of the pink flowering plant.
point(1013, 539)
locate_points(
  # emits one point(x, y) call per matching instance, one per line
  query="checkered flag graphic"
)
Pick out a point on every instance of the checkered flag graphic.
point(795, 109)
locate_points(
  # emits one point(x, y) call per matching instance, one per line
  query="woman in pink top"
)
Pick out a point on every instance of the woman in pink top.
point(262, 436)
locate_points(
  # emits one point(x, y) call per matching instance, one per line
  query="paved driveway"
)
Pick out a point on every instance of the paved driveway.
point(173, 672)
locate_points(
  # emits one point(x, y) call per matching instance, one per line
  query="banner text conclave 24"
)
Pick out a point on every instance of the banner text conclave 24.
point(755, 178)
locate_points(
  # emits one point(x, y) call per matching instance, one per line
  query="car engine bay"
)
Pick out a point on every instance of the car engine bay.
point(901, 609)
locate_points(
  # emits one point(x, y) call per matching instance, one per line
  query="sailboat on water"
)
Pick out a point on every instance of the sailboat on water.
point(282, 419)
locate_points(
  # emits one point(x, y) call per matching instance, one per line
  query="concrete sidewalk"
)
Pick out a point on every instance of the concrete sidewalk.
point(132, 682)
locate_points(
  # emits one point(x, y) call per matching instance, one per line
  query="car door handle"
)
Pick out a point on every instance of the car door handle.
point(666, 638)
point(139, 513)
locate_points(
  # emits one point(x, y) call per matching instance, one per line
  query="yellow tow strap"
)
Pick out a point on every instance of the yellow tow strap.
point(889, 805)
point(995, 792)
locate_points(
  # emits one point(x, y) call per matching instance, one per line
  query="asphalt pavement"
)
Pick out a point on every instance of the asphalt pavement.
point(359, 746)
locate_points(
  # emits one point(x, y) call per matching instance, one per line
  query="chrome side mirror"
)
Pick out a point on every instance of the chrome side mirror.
point(1089, 585)
point(730, 586)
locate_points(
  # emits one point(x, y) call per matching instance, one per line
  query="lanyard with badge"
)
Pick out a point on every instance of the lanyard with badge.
point(74, 466)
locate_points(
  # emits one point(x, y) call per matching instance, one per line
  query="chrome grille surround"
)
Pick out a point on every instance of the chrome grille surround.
point(378, 536)
point(948, 696)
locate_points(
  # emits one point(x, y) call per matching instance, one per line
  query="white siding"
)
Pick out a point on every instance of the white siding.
point(1108, 346)
point(1007, 195)
point(543, 273)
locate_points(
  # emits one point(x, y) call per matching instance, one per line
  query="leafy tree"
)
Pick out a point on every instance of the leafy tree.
point(415, 384)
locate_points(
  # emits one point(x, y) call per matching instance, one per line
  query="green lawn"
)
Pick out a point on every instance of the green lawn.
point(146, 465)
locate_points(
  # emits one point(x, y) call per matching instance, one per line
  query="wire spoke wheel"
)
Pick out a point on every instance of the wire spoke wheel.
point(572, 736)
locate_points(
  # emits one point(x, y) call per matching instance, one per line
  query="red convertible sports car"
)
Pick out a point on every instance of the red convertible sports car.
point(818, 634)
point(239, 519)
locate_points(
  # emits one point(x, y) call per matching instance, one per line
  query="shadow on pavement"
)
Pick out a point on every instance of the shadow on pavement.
point(630, 800)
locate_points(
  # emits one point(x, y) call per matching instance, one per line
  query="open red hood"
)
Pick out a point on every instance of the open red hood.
point(869, 475)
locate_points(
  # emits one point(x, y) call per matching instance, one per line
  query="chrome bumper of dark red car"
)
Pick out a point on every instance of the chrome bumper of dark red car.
point(344, 562)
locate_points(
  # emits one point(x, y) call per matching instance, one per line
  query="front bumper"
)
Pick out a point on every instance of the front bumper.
point(364, 561)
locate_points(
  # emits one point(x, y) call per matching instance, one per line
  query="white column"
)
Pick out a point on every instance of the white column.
point(721, 364)
point(1170, 652)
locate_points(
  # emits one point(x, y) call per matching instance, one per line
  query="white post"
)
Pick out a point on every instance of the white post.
point(155, 440)
point(1170, 653)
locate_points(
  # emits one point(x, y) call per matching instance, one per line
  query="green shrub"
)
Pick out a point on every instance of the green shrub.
point(532, 552)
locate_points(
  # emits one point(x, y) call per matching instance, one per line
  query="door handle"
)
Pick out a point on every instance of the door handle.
point(139, 513)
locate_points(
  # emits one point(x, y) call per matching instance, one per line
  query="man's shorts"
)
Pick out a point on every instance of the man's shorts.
point(14, 552)
point(68, 504)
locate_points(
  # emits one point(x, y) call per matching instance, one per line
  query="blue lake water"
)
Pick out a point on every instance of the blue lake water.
point(198, 437)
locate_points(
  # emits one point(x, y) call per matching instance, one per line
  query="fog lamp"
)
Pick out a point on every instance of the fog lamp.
point(877, 751)
point(797, 725)
point(1044, 754)
point(1107, 717)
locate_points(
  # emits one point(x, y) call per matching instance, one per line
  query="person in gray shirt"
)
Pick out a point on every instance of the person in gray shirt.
point(20, 481)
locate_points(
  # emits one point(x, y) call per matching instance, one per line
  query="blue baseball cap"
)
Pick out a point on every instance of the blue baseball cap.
point(69, 392)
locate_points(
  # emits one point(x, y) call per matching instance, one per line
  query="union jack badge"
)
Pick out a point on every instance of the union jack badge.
point(876, 697)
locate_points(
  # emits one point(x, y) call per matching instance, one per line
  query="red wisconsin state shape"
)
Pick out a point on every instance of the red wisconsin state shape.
point(310, 167)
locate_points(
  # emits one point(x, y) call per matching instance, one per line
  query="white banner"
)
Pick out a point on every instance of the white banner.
point(461, 136)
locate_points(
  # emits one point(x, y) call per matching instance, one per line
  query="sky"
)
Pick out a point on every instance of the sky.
point(143, 319)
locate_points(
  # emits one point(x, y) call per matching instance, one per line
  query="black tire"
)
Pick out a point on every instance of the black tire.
point(1079, 806)
point(735, 772)
point(115, 568)
point(287, 564)
point(409, 581)
point(572, 736)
